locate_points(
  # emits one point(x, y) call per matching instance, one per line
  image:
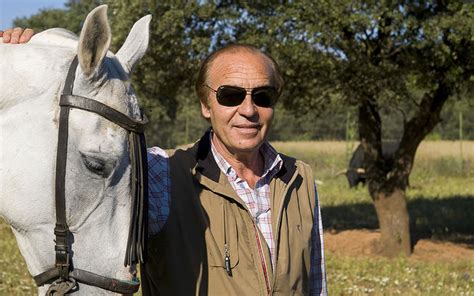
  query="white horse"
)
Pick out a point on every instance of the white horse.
point(98, 166)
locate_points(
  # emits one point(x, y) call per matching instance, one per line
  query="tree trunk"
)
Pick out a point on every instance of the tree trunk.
point(392, 214)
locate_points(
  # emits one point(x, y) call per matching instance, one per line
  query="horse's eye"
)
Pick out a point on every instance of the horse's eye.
point(94, 164)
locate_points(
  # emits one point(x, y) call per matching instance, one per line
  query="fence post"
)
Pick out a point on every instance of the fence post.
point(461, 141)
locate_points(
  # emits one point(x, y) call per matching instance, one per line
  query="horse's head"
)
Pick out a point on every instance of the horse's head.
point(98, 198)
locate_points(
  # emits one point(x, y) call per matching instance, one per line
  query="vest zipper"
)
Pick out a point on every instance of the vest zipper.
point(262, 258)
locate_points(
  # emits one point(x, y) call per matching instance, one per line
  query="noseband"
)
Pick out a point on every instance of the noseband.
point(64, 277)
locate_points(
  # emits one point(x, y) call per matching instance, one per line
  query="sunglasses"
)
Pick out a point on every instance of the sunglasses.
point(231, 96)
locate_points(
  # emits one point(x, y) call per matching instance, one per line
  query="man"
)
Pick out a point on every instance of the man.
point(243, 219)
point(240, 218)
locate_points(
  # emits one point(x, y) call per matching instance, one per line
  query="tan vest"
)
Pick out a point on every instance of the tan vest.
point(208, 221)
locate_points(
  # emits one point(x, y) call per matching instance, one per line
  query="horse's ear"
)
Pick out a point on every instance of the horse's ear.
point(135, 45)
point(94, 41)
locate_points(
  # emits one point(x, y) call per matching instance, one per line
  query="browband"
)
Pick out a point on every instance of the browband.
point(105, 111)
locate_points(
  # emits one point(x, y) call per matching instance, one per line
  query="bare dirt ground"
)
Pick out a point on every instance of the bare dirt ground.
point(357, 243)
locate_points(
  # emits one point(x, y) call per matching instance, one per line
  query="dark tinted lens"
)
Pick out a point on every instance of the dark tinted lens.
point(265, 97)
point(230, 96)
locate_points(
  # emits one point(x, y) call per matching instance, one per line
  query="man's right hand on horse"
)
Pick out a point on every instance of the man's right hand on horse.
point(16, 35)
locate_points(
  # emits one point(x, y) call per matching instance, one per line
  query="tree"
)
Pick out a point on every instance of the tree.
point(411, 56)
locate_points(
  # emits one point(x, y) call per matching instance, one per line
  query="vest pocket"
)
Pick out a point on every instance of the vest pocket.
point(222, 240)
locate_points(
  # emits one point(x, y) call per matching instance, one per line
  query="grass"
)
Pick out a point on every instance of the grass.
point(440, 202)
point(353, 276)
point(14, 276)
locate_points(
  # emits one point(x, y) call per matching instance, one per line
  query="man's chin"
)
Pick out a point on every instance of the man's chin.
point(247, 145)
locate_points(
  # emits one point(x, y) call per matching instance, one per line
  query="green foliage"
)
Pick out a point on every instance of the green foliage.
point(449, 128)
point(333, 54)
point(389, 52)
point(289, 126)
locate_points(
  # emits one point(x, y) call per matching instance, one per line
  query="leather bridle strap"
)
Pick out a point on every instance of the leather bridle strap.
point(136, 247)
point(139, 174)
point(92, 279)
point(103, 110)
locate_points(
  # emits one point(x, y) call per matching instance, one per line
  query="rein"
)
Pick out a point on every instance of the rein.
point(64, 277)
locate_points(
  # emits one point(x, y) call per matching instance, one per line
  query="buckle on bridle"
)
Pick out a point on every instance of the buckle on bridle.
point(62, 250)
point(62, 263)
point(61, 287)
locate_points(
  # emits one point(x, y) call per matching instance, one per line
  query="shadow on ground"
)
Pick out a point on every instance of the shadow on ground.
point(448, 219)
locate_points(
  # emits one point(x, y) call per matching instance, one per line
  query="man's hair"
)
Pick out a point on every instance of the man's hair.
point(203, 92)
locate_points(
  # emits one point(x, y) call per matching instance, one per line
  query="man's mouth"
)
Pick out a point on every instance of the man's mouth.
point(248, 126)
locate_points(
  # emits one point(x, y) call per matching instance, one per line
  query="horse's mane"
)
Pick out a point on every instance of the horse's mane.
point(55, 37)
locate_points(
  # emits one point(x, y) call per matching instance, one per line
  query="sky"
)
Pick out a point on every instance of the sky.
point(11, 9)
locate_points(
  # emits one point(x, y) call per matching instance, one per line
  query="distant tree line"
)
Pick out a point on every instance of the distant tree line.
point(335, 123)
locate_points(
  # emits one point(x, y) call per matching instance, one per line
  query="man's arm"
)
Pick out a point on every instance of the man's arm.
point(159, 190)
point(16, 35)
point(317, 285)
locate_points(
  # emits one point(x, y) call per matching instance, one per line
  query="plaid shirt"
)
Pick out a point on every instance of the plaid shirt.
point(257, 201)
point(159, 189)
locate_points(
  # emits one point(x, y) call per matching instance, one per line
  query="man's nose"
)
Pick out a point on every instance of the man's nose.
point(248, 107)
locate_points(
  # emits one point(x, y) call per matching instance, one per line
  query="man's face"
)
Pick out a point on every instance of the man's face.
point(239, 129)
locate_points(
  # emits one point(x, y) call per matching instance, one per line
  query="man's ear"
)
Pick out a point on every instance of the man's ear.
point(205, 111)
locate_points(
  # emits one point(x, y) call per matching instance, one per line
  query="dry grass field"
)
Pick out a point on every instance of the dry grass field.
point(427, 149)
point(337, 154)
point(441, 206)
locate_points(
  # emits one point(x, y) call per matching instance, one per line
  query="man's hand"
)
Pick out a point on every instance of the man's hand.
point(17, 35)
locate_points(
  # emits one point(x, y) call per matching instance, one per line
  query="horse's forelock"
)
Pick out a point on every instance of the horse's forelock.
point(109, 85)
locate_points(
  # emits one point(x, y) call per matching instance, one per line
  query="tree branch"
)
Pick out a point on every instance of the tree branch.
point(416, 129)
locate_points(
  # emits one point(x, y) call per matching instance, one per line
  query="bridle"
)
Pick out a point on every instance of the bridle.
point(64, 276)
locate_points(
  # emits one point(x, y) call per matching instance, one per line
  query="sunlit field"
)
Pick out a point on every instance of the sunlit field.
point(440, 202)
point(438, 170)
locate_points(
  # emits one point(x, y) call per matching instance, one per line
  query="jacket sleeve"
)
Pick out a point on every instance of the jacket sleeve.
point(318, 268)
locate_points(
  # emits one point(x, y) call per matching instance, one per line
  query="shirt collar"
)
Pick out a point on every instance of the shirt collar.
point(272, 161)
